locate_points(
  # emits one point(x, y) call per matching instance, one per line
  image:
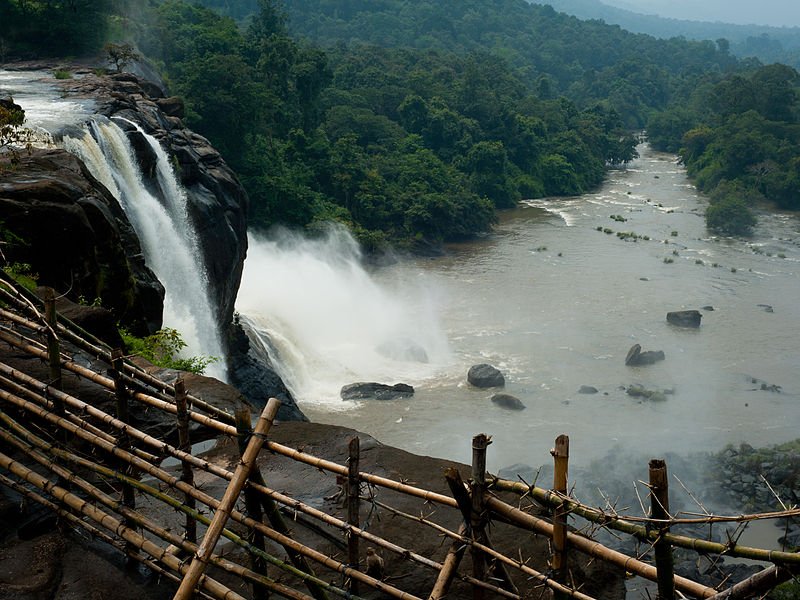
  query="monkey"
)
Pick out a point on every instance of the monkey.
point(374, 564)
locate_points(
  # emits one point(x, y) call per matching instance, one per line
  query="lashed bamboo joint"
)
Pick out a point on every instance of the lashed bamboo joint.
point(121, 451)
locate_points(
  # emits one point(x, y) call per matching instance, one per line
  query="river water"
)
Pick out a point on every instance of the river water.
point(555, 304)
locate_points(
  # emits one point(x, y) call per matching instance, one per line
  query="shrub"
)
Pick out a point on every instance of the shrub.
point(162, 349)
point(61, 74)
point(730, 216)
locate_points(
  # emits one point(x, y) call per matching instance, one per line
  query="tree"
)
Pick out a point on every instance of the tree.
point(121, 55)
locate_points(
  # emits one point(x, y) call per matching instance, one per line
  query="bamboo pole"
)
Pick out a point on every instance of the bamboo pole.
point(592, 548)
point(449, 567)
point(185, 445)
point(132, 515)
point(222, 513)
point(549, 498)
point(214, 588)
point(353, 500)
point(53, 350)
point(164, 534)
point(251, 501)
point(757, 585)
point(480, 443)
point(659, 510)
point(560, 453)
point(121, 394)
point(466, 540)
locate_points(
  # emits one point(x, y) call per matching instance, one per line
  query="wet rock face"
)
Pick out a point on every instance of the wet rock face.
point(76, 237)
point(485, 376)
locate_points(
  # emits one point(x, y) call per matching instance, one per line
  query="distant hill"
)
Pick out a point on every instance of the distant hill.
point(767, 44)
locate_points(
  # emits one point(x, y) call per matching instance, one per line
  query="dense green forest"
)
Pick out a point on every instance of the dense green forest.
point(739, 137)
point(413, 121)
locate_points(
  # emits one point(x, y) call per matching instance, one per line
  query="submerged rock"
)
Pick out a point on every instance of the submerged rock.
point(639, 391)
point(587, 389)
point(508, 401)
point(684, 318)
point(636, 357)
point(376, 391)
point(485, 376)
point(404, 349)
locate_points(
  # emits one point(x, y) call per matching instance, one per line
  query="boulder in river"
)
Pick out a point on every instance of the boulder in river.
point(587, 389)
point(376, 391)
point(684, 318)
point(485, 376)
point(636, 357)
point(508, 401)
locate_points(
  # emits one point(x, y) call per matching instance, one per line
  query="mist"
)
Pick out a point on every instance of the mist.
point(777, 13)
point(329, 323)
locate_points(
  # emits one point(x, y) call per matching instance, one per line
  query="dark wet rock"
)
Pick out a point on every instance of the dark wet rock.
point(766, 307)
point(250, 370)
point(99, 321)
point(404, 349)
point(636, 357)
point(684, 318)
point(485, 376)
point(377, 391)
point(508, 401)
point(708, 308)
point(172, 106)
point(587, 389)
point(76, 237)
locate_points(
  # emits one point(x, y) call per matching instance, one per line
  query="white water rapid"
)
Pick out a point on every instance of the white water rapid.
point(166, 233)
point(330, 324)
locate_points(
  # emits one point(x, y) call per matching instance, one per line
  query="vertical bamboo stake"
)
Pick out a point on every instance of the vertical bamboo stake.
point(659, 496)
point(560, 454)
point(185, 444)
point(223, 512)
point(252, 503)
point(479, 444)
point(53, 349)
point(353, 503)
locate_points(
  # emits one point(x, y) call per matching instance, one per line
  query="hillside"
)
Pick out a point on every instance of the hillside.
point(767, 44)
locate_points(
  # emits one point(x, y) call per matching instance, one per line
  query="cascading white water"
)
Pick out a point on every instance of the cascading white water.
point(329, 323)
point(167, 236)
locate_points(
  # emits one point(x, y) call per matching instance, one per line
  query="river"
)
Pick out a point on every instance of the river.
point(555, 304)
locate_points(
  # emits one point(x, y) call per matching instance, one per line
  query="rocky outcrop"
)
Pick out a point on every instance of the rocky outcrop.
point(404, 349)
point(685, 318)
point(485, 376)
point(217, 202)
point(75, 236)
point(376, 391)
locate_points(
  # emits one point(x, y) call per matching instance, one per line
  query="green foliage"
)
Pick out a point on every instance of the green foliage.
point(401, 145)
point(23, 274)
point(163, 349)
point(54, 27)
point(62, 74)
point(787, 591)
point(729, 212)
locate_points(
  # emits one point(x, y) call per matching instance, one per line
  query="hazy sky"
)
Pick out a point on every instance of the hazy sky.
point(760, 12)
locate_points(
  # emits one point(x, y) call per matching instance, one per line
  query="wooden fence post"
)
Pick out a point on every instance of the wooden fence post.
point(53, 346)
point(353, 506)
point(560, 454)
point(479, 444)
point(659, 502)
point(185, 444)
point(252, 503)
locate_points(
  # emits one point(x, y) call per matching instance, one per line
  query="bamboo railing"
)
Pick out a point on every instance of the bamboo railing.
point(121, 454)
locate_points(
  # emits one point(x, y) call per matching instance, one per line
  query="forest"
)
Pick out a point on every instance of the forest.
point(411, 122)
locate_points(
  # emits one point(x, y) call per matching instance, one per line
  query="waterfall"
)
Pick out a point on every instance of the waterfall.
point(167, 235)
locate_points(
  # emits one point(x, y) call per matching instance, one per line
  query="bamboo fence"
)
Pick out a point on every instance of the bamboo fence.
point(56, 447)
